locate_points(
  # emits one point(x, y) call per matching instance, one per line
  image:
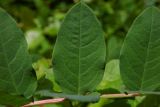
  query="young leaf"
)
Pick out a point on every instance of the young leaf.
point(16, 76)
point(140, 55)
point(114, 45)
point(111, 78)
point(79, 53)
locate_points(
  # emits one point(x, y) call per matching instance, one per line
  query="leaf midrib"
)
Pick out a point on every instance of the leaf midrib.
point(79, 51)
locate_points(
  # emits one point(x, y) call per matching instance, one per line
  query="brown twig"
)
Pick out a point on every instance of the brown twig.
point(119, 95)
point(58, 100)
point(43, 102)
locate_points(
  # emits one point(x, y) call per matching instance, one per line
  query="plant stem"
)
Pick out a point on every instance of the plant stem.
point(119, 95)
point(43, 102)
point(58, 100)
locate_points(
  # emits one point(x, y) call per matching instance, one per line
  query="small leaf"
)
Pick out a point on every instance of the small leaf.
point(140, 55)
point(79, 54)
point(44, 84)
point(113, 48)
point(111, 78)
point(16, 76)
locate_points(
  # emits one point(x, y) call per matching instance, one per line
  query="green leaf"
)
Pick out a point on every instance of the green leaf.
point(79, 54)
point(113, 48)
point(16, 75)
point(150, 101)
point(139, 59)
point(118, 103)
point(44, 84)
point(111, 78)
point(7, 99)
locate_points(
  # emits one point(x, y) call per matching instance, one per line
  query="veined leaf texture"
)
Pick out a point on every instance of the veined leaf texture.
point(16, 76)
point(140, 55)
point(79, 52)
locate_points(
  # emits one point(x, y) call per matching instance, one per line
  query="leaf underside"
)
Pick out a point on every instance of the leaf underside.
point(16, 76)
point(79, 53)
point(140, 55)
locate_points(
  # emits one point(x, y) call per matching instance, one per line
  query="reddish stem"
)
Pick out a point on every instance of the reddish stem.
point(43, 102)
point(58, 100)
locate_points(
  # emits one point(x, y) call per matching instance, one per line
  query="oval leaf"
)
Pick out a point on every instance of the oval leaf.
point(79, 54)
point(16, 75)
point(140, 55)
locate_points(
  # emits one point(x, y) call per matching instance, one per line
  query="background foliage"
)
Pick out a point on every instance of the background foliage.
point(40, 20)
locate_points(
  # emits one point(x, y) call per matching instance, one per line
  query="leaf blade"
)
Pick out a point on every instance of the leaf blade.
point(140, 56)
point(15, 66)
point(79, 51)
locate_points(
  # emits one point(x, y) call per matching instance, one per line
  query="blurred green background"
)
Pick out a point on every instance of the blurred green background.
point(40, 21)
